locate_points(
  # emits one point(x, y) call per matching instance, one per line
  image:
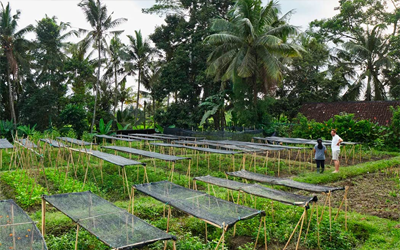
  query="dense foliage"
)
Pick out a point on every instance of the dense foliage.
point(222, 63)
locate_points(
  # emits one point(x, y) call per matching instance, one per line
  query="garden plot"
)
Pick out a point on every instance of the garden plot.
point(376, 194)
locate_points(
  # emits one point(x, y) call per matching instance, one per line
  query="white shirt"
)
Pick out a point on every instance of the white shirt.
point(335, 141)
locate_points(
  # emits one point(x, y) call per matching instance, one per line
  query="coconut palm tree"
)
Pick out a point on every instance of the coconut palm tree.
point(251, 45)
point(11, 41)
point(114, 67)
point(101, 23)
point(368, 52)
point(138, 54)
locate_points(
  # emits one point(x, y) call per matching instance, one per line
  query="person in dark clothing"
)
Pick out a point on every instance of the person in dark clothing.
point(319, 151)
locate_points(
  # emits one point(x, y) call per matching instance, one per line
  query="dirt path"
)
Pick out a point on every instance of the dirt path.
point(375, 194)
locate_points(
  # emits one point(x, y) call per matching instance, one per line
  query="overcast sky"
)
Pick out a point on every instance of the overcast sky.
point(68, 11)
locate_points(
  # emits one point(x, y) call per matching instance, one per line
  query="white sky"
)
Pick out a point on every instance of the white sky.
point(68, 11)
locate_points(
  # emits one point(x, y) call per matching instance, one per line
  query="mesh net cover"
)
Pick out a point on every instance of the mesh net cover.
point(17, 230)
point(114, 159)
point(283, 182)
point(198, 204)
point(234, 185)
point(112, 225)
point(115, 138)
point(261, 191)
point(4, 143)
point(54, 143)
point(27, 143)
point(75, 141)
point(146, 153)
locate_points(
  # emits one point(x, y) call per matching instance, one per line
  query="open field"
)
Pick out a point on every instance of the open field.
point(372, 219)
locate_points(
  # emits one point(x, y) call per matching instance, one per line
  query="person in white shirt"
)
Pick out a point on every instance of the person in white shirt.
point(336, 140)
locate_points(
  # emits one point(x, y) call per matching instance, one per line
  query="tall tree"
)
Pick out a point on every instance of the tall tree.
point(362, 31)
point(181, 43)
point(48, 87)
point(11, 40)
point(97, 15)
point(249, 48)
point(139, 53)
point(114, 66)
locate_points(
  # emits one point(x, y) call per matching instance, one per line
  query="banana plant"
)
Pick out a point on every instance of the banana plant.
point(104, 129)
point(27, 130)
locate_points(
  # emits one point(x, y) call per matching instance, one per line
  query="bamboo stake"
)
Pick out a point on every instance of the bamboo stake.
point(298, 223)
point(258, 233)
point(344, 198)
point(43, 217)
point(301, 228)
point(309, 221)
point(77, 235)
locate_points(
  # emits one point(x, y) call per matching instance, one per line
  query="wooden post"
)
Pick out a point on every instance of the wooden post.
point(43, 217)
point(301, 228)
point(77, 235)
point(258, 233)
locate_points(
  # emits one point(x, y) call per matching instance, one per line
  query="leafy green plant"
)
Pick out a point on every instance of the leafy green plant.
point(120, 127)
point(27, 192)
point(104, 129)
point(6, 128)
point(26, 129)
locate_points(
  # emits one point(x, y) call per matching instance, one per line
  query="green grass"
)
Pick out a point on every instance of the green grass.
point(347, 172)
point(364, 231)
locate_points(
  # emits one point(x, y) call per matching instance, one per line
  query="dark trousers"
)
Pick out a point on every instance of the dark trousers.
point(320, 163)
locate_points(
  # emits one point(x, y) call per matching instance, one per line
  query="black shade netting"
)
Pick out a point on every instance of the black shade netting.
point(112, 225)
point(75, 141)
point(219, 212)
point(226, 183)
point(146, 153)
point(236, 133)
point(27, 143)
point(17, 230)
point(300, 140)
point(136, 138)
point(259, 146)
point(214, 151)
point(182, 137)
point(54, 143)
point(283, 182)
point(215, 145)
point(115, 138)
point(261, 191)
point(167, 145)
point(278, 195)
point(4, 144)
point(162, 137)
point(114, 159)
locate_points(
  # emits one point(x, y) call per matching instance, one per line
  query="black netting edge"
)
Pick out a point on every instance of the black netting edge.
point(33, 223)
point(327, 190)
point(260, 212)
point(138, 245)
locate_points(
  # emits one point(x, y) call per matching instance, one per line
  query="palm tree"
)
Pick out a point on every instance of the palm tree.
point(97, 15)
point(11, 40)
point(114, 67)
point(251, 45)
point(139, 55)
point(369, 53)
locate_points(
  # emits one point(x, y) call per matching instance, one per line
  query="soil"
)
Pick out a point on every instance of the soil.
point(376, 194)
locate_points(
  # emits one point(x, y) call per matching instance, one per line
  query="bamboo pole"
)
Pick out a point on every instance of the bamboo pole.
point(77, 235)
point(301, 228)
point(43, 217)
point(258, 233)
point(295, 229)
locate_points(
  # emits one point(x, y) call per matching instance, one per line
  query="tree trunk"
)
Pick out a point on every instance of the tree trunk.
point(11, 96)
point(116, 89)
point(138, 94)
point(96, 86)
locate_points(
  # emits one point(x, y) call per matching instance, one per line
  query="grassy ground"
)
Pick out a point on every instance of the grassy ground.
point(364, 231)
